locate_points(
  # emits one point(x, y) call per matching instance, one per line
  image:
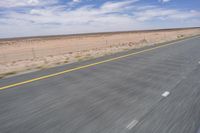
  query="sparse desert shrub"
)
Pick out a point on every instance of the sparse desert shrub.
point(130, 43)
point(7, 74)
point(66, 61)
point(143, 41)
point(39, 67)
point(80, 59)
point(125, 49)
point(88, 55)
point(180, 36)
point(77, 56)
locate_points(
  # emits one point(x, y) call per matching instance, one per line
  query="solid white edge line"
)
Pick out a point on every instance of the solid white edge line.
point(132, 124)
point(166, 93)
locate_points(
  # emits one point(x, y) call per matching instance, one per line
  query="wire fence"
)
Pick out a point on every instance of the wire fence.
point(37, 52)
point(34, 52)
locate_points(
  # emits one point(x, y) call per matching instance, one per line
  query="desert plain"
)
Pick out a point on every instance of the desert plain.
point(19, 55)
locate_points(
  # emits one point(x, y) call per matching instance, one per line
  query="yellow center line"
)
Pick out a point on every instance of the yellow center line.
point(85, 66)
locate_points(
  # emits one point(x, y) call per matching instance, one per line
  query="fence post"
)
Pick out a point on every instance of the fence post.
point(164, 35)
point(4, 57)
point(33, 53)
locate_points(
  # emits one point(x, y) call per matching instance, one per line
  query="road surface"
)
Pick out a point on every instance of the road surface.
point(155, 91)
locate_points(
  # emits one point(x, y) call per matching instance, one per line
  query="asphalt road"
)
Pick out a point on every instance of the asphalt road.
point(157, 91)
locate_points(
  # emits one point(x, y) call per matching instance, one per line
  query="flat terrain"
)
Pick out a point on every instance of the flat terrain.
point(25, 54)
point(127, 95)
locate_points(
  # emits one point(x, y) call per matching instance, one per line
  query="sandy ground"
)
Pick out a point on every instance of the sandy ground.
point(18, 55)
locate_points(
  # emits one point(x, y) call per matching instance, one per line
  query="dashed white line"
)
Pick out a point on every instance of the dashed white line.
point(166, 93)
point(199, 62)
point(132, 124)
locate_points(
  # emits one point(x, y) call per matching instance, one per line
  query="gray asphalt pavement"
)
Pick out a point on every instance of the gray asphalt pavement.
point(153, 92)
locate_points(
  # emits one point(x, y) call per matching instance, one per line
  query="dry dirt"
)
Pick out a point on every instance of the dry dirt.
point(19, 55)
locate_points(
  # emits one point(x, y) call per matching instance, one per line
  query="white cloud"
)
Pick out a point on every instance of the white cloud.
point(76, 0)
point(164, 1)
point(165, 14)
point(117, 6)
point(83, 15)
point(110, 16)
point(21, 3)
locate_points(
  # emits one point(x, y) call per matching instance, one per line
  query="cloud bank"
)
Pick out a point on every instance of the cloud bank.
point(50, 17)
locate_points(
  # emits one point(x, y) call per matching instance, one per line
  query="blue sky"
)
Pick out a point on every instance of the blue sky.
point(52, 17)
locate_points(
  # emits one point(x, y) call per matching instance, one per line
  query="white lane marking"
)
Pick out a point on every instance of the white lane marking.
point(166, 93)
point(199, 62)
point(132, 124)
